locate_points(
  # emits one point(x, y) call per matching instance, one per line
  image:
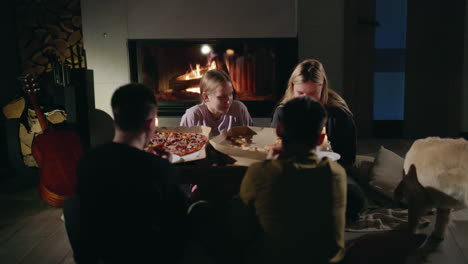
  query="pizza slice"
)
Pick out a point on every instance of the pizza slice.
point(159, 139)
point(244, 142)
point(179, 143)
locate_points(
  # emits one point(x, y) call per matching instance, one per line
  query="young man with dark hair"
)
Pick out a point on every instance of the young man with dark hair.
point(131, 210)
point(296, 202)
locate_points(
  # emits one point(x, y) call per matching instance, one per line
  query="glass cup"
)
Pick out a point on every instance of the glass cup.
point(326, 144)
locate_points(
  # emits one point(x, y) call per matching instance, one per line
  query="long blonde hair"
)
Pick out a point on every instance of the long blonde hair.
point(312, 70)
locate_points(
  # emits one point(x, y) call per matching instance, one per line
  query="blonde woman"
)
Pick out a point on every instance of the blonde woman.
point(309, 79)
point(218, 109)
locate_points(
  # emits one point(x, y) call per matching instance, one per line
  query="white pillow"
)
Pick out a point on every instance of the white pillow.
point(387, 172)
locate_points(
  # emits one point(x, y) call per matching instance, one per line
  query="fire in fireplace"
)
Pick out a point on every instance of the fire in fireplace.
point(259, 69)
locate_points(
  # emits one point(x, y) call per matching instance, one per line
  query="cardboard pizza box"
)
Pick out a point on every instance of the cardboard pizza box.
point(262, 136)
point(201, 154)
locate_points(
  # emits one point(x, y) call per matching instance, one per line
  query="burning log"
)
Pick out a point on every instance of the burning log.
point(176, 84)
point(190, 79)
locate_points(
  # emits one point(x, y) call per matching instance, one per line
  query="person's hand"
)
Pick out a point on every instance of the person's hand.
point(159, 151)
point(274, 152)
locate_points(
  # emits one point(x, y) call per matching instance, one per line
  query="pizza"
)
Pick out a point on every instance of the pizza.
point(244, 142)
point(176, 143)
point(240, 141)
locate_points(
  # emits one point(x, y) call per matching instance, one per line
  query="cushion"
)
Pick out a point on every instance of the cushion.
point(361, 171)
point(386, 247)
point(387, 172)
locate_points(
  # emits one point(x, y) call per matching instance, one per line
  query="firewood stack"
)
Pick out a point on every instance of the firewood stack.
point(49, 29)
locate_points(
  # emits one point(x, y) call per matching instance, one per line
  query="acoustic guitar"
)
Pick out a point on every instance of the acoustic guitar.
point(56, 152)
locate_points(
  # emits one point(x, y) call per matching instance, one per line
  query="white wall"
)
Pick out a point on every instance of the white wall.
point(178, 19)
point(321, 35)
point(108, 24)
point(105, 41)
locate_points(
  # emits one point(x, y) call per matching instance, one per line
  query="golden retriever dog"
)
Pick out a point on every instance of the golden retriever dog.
point(435, 176)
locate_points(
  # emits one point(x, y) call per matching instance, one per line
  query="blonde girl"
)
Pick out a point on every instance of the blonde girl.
point(309, 79)
point(218, 108)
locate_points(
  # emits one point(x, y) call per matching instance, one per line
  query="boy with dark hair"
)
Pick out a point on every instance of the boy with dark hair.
point(132, 105)
point(131, 210)
point(302, 123)
point(297, 202)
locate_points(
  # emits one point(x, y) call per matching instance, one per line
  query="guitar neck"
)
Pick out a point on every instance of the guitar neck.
point(39, 114)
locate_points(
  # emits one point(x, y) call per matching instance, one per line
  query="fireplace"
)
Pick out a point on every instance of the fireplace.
point(259, 69)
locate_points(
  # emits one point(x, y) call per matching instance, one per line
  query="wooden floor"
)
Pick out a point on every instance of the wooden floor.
point(454, 249)
point(32, 232)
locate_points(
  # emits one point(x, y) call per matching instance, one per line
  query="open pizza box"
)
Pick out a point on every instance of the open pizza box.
point(201, 154)
point(261, 137)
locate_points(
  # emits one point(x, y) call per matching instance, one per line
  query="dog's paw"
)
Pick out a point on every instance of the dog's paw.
point(430, 246)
